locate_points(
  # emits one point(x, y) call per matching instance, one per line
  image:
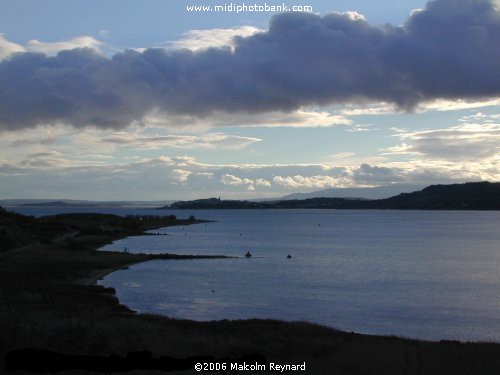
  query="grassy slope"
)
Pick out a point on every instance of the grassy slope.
point(47, 301)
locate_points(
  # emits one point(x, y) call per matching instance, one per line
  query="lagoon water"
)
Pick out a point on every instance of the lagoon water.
point(419, 274)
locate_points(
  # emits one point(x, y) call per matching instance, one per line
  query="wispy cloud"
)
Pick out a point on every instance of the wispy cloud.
point(361, 128)
point(453, 105)
point(205, 141)
point(300, 118)
point(466, 142)
point(433, 105)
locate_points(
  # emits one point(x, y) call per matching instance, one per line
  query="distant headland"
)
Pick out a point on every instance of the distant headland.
point(467, 196)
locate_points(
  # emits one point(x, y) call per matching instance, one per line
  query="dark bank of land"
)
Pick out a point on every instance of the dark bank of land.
point(49, 300)
point(468, 196)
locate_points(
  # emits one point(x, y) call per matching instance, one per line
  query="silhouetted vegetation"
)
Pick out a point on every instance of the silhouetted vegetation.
point(18, 230)
point(468, 196)
point(216, 203)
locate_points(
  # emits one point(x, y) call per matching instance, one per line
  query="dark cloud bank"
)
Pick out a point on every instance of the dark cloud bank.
point(451, 49)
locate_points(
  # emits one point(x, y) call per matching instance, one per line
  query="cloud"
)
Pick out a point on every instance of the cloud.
point(262, 182)
point(465, 142)
point(371, 110)
point(433, 105)
point(47, 175)
point(54, 47)
point(449, 50)
point(91, 145)
point(300, 118)
point(480, 117)
point(307, 182)
point(206, 141)
point(375, 175)
point(356, 128)
point(50, 159)
point(8, 48)
point(195, 40)
point(342, 155)
point(229, 179)
point(180, 175)
point(50, 48)
point(453, 105)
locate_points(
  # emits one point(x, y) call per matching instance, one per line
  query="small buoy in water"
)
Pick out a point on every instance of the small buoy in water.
point(213, 291)
point(289, 256)
point(248, 255)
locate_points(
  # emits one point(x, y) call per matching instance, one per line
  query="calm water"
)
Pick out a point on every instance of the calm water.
point(430, 275)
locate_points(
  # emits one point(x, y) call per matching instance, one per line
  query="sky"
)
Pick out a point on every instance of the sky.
point(146, 100)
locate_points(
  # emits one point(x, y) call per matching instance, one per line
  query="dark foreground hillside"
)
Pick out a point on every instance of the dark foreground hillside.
point(49, 301)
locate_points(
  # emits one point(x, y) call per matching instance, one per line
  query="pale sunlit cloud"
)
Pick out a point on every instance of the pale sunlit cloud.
point(229, 179)
point(299, 182)
point(49, 48)
point(377, 109)
point(459, 104)
point(195, 40)
point(480, 117)
point(180, 175)
point(300, 118)
point(8, 48)
point(361, 128)
point(159, 178)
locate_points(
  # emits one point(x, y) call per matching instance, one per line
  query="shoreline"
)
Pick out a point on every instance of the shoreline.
point(51, 301)
point(181, 257)
point(93, 281)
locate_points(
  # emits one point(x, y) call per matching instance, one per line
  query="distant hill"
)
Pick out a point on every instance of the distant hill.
point(379, 192)
point(78, 203)
point(54, 204)
point(468, 196)
point(216, 203)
